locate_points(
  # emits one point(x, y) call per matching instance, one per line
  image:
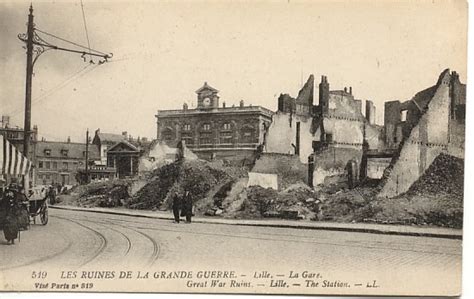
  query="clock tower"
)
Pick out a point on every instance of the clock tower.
point(207, 97)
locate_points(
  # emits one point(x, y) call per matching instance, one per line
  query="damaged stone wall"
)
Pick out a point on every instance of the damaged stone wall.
point(288, 168)
point(332, 161)
point(428, 138)
point(337, 123)
point(281, 136)
point(401, 117)
point(340, 135)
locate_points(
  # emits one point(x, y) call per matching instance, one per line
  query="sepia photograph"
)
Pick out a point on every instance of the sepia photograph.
point(233, 147)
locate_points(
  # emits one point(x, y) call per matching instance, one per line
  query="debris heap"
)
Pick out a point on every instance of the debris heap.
point(445, 176)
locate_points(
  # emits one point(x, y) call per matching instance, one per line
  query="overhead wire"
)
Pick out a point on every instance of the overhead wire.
point(85, 28)
point(83, 71)
point(70, 42)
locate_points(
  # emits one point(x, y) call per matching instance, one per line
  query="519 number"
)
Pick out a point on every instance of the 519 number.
point(39, 274)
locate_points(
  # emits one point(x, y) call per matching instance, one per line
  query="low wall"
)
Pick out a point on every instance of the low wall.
point(289, 168)
point(332, 161)
point(265, 180)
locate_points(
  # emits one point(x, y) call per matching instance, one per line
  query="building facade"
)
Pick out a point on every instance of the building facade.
point(119, 152)
point(60, 162)
point(212, 131)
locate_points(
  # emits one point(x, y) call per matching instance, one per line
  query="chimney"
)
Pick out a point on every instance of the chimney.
point(185, 106)
point(345, 89)
point(324, 95)
point(241, 103)
point(350, 90)
point(124, 134)
point(5, 121)
point(68, 139)
point(223, 104)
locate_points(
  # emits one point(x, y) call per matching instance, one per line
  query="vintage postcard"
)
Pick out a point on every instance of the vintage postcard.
point(236, 147)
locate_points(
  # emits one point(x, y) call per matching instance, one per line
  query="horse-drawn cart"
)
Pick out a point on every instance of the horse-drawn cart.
point(38, 207)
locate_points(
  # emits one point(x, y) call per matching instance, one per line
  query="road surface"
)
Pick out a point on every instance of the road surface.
point(74, 240)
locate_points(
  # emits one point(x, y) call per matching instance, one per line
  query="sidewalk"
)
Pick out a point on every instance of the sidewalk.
point(403, 230)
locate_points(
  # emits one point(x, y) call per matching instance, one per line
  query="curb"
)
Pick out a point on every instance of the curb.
point(277, 225)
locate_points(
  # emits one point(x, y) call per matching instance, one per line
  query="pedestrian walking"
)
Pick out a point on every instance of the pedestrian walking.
point(23, 215)
point(51, 193)
point(188, 206)
point(11, 223)
point(177, 206)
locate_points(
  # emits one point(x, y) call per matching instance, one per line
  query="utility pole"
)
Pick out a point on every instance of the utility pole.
point(87, 156)
point(35, 46)
point(29, 74)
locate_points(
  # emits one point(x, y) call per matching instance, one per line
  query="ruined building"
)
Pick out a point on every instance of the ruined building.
point(330, 134)
point(431, 123)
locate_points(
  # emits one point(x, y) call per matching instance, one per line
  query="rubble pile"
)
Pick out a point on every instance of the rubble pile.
point(436, 198)
point(298, 201)
point(445, 176)
point(198, 177)
point(347, 205)
point(101, 194)
point(218, 190)
point(159, 183)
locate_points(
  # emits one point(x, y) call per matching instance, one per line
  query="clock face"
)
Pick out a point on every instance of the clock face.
point(206, 102)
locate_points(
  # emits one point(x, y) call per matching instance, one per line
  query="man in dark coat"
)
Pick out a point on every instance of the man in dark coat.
point(12, 206)
point(188, 206)
point(177, 206)
point(51, 194)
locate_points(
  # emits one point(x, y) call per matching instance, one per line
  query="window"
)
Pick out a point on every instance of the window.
point(55, 165)
point(48, 165)
point(186, 127)
point(40, 164)
point(226, 126)
point(206, 127)
point(403, 115)
point(247, 135)
point(226, 137)
point(65, 165)
point(205, 138)
point(47, 152)
point(187, 137)
point(64, 152)
point(395, 139)
point(188, 140)
point(168, 134)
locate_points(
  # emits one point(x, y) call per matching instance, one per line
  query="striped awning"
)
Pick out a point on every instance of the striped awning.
point(12, 161)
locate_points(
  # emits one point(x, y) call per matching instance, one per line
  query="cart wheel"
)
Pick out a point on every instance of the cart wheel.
point(44, 216)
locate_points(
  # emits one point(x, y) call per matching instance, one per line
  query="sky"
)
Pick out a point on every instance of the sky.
point(165, 50)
